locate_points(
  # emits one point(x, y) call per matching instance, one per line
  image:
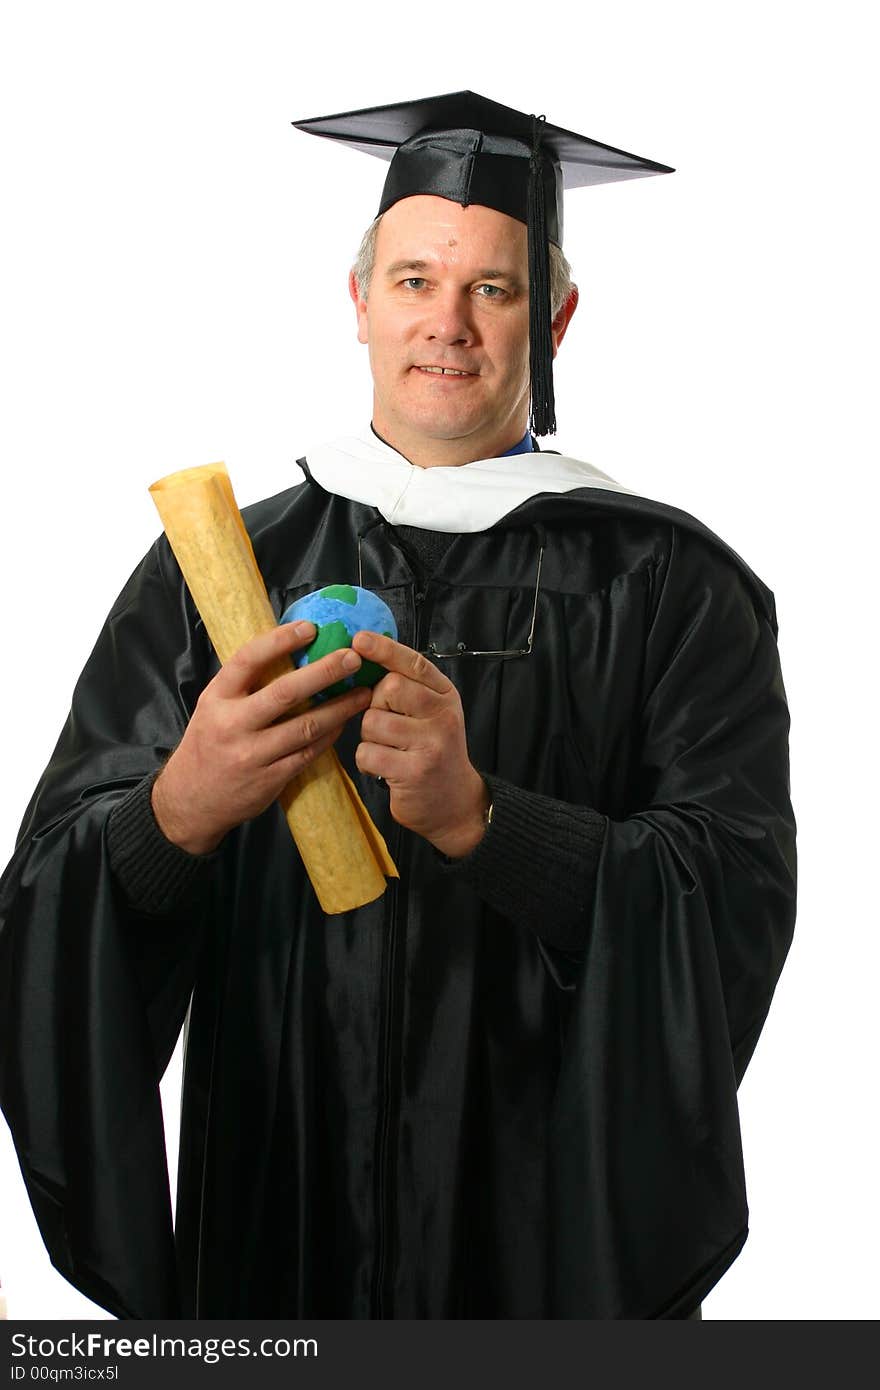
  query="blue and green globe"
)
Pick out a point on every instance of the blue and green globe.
point(338, 612)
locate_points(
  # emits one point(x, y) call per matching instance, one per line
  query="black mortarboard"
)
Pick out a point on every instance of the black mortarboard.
point(469, 149)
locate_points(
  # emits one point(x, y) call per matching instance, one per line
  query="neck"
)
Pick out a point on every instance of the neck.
point(426, 452)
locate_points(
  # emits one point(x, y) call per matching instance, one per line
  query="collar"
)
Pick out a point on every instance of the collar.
point(525, 446)
point(470, 497)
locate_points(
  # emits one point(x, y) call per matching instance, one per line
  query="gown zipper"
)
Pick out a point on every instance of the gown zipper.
point(390, 1005)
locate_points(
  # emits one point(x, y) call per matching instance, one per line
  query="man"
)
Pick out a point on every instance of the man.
point(508, 1087)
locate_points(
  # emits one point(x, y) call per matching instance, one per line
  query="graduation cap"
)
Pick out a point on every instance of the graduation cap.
point(469, 149)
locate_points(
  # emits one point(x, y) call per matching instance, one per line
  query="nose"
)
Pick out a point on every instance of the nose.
point(450, 318)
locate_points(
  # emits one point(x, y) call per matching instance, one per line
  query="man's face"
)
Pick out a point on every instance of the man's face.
point(449, 291)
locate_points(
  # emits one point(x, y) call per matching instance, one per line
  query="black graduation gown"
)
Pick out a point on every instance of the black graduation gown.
point(420, 1109)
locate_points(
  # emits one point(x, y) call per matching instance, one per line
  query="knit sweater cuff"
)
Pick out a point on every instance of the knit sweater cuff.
point(536, 863)
point(156, 875)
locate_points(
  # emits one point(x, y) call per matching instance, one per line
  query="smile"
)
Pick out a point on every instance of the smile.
point(444, 371)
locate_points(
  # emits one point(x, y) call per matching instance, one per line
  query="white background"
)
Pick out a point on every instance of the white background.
point(174, 262)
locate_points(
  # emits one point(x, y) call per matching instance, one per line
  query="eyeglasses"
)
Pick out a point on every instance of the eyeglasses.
point(461, 648)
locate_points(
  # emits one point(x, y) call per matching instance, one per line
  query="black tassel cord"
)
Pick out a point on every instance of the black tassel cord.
point(543, 411)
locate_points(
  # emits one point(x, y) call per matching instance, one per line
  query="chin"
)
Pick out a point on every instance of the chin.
point(446, 424)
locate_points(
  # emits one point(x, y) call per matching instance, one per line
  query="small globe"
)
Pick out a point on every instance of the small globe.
point(338, 612)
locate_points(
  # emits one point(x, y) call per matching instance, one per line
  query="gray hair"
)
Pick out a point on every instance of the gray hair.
point(560, 271)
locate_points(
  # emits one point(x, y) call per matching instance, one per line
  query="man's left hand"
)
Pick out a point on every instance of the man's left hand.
point(413, 736)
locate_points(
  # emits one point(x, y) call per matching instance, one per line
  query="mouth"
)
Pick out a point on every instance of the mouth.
point(444, 371)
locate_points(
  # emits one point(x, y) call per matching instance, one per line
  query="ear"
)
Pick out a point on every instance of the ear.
point(360, 306)
point(563, 319)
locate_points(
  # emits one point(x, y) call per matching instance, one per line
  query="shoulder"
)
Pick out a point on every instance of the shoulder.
point(639, 531)
point(157, 582)
point(301, 531)
point(264, 518)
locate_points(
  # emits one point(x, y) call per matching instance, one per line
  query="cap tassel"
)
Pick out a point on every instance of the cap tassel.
point(543, 410)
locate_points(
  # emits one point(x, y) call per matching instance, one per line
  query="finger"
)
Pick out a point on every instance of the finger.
point(403, 696)
point(378, 761)
point(394, 656)
point(281, 740)
point(244, 670)
point(389, 729)
point(281, 696)
point(286, 769)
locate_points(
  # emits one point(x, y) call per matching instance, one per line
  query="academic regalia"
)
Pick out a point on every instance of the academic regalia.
point(427, 1107)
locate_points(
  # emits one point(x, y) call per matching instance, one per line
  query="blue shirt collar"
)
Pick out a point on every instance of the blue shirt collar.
point(525, 446)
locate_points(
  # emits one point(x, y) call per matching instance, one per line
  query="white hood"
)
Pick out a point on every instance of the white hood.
point(470, 497)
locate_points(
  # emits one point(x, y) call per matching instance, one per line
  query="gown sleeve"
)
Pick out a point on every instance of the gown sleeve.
point(93, 990)
point(691, 921)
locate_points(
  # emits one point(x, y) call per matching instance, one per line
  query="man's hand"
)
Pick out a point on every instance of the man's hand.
point(244, 743)
point(413, 736)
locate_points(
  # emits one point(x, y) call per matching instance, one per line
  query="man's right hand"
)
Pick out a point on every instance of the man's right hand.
point(243, 745)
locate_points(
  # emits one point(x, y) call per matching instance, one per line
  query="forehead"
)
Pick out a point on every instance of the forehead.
point(424, 227)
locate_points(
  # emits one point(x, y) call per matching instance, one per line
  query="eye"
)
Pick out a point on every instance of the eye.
point(490, 292)
point(414, 282)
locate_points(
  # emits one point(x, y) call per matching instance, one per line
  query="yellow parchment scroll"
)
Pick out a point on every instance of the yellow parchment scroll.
point(344, 855)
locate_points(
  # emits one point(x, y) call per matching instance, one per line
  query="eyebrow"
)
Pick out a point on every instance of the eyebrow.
point(398, 266)
point(492, 274)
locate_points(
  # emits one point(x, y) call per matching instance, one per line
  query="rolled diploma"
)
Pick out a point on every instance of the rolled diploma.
point(344, 854)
